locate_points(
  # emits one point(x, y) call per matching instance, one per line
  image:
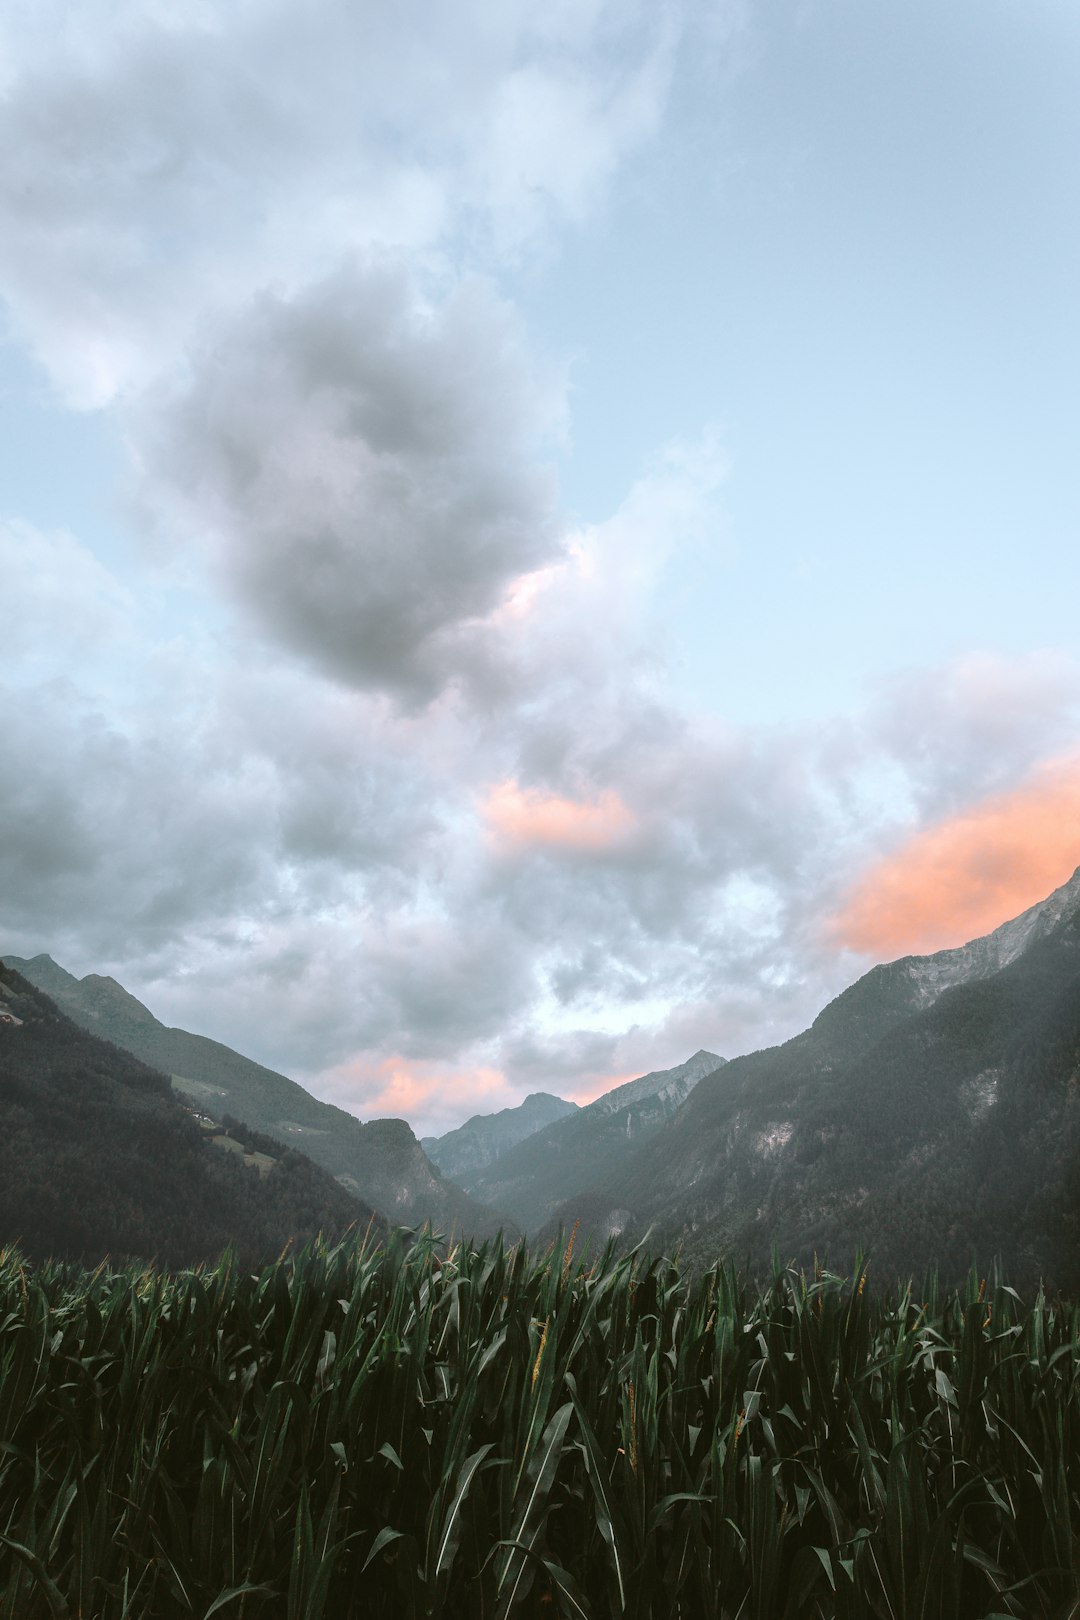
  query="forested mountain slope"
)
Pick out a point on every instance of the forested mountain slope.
point(484, 1137)
point(99, 1158)
point(578, 1152)
point(380, 1161)
point(931, 1115)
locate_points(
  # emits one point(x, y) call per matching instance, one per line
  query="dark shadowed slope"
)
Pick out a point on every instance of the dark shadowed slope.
point(381, 1162)
point(98, 1157)
point(931, 1114)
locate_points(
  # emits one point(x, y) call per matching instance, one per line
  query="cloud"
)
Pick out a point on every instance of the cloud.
point(157, 162)
point(117, 841)
point(975, 725)
point(363, 467)
point(437, 1096)
point(962, 877)
point(68, 604)
point(163, 800)
point(546, 820)
point(223, 225)
point(306, 872)
point(550, 1061)
point(433, 1097)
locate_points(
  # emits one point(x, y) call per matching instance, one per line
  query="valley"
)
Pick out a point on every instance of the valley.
point(930, 1115)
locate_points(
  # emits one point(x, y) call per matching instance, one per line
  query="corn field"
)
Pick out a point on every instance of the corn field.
point(472, 1432)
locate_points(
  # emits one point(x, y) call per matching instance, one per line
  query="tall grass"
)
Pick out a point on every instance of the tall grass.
point(474, 1432)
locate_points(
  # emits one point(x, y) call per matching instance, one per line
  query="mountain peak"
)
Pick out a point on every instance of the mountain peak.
point(991, 952)
point(45, 964)
point(894, 990)
point(662, 1083)
point(102, 993)
point(484, 1137)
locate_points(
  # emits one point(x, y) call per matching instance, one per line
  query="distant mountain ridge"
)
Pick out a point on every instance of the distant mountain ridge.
point(482, 1138)
point(660, 1091)
point(931, 1114)
point(380, 1161)
point(576, 1153)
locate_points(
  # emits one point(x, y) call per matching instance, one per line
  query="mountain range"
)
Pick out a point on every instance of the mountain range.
point(586, 1148)
point(929, 1115)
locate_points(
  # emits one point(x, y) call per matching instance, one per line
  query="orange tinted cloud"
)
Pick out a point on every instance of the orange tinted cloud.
point(438, 1096)
point(433, 1096)
point(526, 816)
point(967, 875)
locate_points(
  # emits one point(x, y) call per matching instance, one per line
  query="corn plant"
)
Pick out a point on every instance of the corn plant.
point(438, 1429)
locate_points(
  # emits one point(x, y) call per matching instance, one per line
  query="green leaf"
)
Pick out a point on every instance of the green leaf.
point(541, 1472)
point(58, 1607)
point(383, 1539)
point(826, 1564)
point(451, 1532)
point(598, 1479)
point(235, 1592)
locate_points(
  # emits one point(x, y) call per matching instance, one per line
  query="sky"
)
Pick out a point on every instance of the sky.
point(532, 540)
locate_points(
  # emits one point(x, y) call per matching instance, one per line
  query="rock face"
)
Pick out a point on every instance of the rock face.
point(931, 1115)
point(894, 990)
point(482, 1138)
point(982, 957)
point(209, 1075)
point(580, 1152)
point(655, 1097)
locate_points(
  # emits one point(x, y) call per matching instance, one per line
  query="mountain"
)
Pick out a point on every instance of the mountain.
point(482, 1138)
point(578, 1152)
point(99, 1158)
point(930, 1115)
point(381, 1161)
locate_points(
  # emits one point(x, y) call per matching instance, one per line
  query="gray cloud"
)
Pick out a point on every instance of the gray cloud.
point(287, 875)
point(975, 726)
point(536, 1061)
point(364, 469)
point(357, 452)
point(116, 843)
point(309, 873)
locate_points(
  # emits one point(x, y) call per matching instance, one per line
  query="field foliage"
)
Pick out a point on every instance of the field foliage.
point(415, 1430)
